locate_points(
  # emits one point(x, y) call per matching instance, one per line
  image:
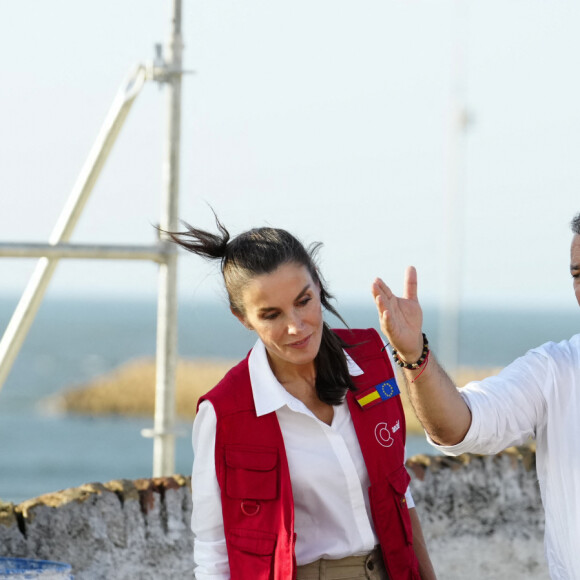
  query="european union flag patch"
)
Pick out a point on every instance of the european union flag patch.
point(377, 394)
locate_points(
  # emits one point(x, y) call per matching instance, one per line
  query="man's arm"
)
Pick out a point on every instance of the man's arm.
point(437, 403)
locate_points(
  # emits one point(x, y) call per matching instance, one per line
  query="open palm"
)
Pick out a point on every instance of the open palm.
point(401, 318)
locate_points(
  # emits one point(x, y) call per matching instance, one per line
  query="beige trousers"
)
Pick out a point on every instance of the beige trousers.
point(369, 567)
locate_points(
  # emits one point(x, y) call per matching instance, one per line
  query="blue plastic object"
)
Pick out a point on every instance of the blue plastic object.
point(29, 569)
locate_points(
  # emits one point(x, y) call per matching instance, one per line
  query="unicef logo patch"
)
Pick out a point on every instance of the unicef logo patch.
point(383, 435)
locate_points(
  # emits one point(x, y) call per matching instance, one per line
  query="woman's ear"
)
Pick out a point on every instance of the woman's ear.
point(242, 319)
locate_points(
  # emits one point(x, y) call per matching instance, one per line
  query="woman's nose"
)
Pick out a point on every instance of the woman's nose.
point(295, 324)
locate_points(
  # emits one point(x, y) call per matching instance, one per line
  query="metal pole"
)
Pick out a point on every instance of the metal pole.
point(155, 253)
point(164, 423)
point(32, 296)
point(454, 214)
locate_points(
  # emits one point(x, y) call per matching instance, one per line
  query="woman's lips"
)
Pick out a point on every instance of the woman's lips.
point(301, 343)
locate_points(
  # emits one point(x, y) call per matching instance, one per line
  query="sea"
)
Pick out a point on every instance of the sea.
point(74, 340)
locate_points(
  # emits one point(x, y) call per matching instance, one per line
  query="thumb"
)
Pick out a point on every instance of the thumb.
point(411, 284)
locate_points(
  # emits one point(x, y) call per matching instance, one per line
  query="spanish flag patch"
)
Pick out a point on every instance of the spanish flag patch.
point(377, 394)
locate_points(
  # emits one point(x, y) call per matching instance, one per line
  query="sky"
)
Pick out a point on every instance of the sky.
point(332, 119)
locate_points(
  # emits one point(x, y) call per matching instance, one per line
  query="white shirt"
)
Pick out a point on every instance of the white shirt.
point(327, 471)
point(538, 395)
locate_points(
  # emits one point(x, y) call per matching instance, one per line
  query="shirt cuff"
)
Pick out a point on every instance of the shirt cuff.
point(464, 446)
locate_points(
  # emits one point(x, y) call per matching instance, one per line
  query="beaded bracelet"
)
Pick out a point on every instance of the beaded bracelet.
point(423, 369)
point(415, 365)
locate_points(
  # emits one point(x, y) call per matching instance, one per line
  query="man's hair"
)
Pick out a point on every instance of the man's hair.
point(575, 224)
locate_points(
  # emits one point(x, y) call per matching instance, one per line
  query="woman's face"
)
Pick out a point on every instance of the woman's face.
point(284, 308)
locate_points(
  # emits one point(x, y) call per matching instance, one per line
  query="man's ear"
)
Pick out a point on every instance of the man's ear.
point(242, 319)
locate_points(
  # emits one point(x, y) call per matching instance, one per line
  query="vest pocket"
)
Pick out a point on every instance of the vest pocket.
point(251, 472)
point(399, 481)
point(253, 554)
point(388, 504)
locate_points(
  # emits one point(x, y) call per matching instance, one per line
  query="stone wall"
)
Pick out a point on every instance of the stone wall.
point(119, 530)
point(481, 516)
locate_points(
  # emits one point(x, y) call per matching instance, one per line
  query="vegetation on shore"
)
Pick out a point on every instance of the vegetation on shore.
point(130, 390)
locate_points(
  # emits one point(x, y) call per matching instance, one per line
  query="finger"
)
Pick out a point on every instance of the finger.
point(380, 288)
point(378, 298)
point(385, 322)
point(381, 304)
point(411, 283)
point(376, 288)
point(385, 319)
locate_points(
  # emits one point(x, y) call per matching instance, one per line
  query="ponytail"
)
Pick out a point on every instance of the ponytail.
point(333, 379)
point(202, 243)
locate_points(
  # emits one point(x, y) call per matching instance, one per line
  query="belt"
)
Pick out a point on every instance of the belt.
point(367, 567)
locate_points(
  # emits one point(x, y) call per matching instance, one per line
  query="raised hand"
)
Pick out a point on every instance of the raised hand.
point(401, 318)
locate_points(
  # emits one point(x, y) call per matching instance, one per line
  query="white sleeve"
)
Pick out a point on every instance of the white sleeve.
point(209, 544)
point(507, 409)
point(408, 496)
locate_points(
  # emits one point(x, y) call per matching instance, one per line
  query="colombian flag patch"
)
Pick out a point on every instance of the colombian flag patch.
point(377, 394)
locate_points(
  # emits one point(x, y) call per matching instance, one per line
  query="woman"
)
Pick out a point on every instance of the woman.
point(298, 470)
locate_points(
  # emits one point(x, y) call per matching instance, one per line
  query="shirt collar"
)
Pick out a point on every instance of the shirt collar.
point(269, 395)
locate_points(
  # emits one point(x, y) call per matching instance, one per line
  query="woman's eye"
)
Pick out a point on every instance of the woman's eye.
point(304, 301)
point(270, 316)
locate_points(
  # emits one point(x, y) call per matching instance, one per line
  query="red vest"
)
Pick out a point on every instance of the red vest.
point(252, 471)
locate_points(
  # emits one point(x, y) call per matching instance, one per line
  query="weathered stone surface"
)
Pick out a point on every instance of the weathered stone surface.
point(482, 519)
point(11, 537)
point(482, 515)
point(121, 530)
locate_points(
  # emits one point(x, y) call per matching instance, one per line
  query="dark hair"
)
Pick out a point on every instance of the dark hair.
point(261, 251)
point(575, 224)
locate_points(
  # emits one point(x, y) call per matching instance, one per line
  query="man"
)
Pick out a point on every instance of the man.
point(537, 395)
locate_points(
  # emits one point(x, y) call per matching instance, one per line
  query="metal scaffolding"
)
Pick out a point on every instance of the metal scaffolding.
point(167, 71)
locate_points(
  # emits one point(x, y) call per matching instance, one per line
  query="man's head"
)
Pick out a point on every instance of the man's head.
point(575, 256)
